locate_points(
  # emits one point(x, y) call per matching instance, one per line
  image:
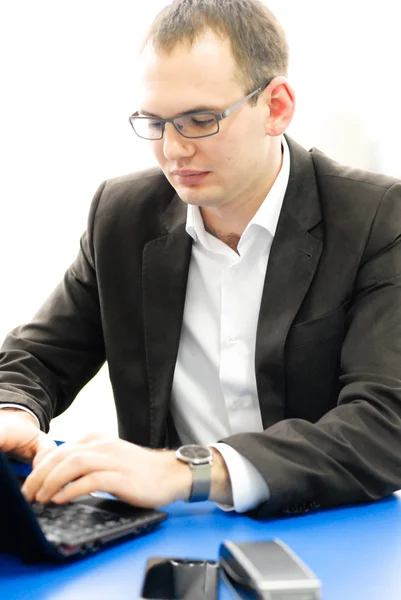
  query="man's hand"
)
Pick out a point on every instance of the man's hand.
point(20, 435)
point(137, 475)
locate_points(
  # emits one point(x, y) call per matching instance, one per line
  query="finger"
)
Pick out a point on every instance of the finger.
point(75, 460)
point(45, 445)
point(94, 436)
point(40, 456)
point(73, 467)
point(97, 481)
point(49, 460)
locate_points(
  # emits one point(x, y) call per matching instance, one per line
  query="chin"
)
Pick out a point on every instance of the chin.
point(198, 197)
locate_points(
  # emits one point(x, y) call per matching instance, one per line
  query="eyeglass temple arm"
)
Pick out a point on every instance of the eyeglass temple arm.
point(228, 111)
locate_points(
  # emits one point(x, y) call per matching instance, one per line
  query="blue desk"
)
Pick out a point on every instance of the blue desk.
point(355, 552)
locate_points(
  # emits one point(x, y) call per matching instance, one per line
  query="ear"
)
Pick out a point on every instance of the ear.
point(280, 98)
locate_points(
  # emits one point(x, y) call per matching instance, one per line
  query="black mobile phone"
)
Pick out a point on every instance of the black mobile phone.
point(169, 578)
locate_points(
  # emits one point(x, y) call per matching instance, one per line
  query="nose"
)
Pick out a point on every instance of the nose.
point(175, 145)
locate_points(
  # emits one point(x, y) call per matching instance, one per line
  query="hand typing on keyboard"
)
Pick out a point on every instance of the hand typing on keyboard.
point(21, 436)
point(140, 476)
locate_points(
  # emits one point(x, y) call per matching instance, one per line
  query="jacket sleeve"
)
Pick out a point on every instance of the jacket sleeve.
point(44, 364)
point(353, 453)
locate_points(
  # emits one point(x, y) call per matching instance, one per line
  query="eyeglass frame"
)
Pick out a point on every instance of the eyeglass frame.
point(218, 116)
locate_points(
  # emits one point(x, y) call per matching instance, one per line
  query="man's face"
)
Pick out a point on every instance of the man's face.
point(228, 167)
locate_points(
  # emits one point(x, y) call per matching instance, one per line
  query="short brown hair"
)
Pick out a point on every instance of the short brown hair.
point(258, 42)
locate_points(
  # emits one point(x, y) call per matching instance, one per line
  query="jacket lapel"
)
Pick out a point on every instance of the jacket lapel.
point(293, 259)
point(165, 272)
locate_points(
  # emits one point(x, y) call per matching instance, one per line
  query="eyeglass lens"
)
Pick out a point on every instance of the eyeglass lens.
point(196, 125)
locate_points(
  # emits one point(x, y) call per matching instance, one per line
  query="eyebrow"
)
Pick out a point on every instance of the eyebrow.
point(196, 109)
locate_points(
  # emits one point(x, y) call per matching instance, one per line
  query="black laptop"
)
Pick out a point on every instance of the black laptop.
point(38, 532)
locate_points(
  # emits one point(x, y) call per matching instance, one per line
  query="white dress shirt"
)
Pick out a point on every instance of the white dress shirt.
point(214, 392)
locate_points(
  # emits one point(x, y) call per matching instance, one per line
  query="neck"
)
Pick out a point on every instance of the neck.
point(230, 239)
point(228, 222)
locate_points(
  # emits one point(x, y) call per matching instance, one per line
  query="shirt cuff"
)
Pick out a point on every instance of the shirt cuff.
point(19, 407)
point(248, 486)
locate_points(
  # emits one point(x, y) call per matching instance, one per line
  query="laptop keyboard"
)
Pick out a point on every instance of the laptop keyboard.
point(76, 523)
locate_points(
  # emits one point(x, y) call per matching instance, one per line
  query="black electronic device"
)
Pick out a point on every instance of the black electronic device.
point(38, 532)
point(169, 578)
point(266, 570)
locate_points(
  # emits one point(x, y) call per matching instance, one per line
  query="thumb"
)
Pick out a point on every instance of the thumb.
point(44, 445)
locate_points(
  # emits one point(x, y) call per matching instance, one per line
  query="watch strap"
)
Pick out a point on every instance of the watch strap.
point(201, 482)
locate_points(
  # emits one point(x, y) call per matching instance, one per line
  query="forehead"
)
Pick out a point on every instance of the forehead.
point(187, 77)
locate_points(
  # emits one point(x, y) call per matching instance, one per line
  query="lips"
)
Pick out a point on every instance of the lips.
point(188, 173)
point(190, 177)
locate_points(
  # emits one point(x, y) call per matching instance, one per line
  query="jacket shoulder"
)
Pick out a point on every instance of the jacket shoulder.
point(363, 203)
point(141, 205)
point(330, 170)
point(149, 185)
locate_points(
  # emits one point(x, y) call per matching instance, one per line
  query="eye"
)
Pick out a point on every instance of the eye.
point(154, 124)
point(203, 121)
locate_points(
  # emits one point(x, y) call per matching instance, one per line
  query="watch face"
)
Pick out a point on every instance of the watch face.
point(195, 452)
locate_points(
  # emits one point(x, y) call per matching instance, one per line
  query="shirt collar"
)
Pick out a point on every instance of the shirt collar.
point(267, 214)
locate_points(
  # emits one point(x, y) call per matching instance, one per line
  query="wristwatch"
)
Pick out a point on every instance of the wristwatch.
point(199, 458)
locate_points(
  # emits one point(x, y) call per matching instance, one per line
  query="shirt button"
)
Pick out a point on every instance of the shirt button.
point(236, 403)
point(232, 339)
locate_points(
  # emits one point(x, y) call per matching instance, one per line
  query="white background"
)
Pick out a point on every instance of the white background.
point(68, 86)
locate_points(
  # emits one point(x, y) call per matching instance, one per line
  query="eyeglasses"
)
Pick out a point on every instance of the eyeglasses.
point(190, 125)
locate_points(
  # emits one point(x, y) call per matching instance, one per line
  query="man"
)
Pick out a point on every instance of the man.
point(246, 296)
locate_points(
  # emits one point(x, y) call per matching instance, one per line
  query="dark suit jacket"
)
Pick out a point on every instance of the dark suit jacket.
point(328, 348)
